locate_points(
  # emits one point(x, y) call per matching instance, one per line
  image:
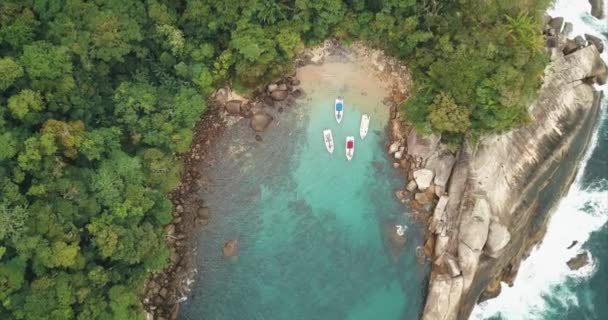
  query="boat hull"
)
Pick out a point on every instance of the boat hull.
point(364, 127)
point(328, 139)
point(339, 109)
point(350, 147)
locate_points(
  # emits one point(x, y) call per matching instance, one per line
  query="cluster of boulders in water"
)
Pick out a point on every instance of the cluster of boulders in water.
point(557, 32)
point(276, 97)
point(427, 164)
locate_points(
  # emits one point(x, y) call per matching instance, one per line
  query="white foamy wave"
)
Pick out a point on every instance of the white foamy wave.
point(579, 214)
point(542, 276)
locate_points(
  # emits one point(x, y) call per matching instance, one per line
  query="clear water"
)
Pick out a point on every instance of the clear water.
point(545, 288)
point(311, 226)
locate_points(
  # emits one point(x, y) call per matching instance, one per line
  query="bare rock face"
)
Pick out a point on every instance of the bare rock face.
point(597, 8)
point(443, 298)
point(260, 121)
point(569, 47)
point(234, 107)
point(581, 260)
point(492, 217)
point(442, 166)
point(438, 219)
point(423, 178)
point(421, 146)
point(279, 95)
point(568, 27)
point(597, 42)
point(498, 238)
point(473, 234)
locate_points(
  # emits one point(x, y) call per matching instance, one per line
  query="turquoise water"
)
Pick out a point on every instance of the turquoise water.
point(310, 225)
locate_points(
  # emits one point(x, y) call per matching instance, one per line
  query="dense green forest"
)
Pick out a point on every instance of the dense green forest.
point(97, 98)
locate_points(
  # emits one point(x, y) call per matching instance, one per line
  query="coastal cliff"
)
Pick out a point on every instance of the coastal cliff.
point(502, 188)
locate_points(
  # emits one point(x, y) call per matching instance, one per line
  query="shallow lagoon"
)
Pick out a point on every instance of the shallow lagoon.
point(310, 225)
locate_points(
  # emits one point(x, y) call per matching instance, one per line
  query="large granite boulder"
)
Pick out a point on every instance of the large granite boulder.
point(580, 41)
point(556, 24)
point(597, 42)
point(423, 178)
point(442, 166)
point(421, 146)
point(498, 238)
point(501, 177)
point(234, 107)
point(279, 95)
point(260, 121)
point(581, 260)
point(443, 298)
point(597, 8)
point(569, 47)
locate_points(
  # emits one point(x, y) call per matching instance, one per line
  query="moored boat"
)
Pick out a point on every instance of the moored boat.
point(339, 109)
point(329, 140)
point(364, 126)
point(350, 147)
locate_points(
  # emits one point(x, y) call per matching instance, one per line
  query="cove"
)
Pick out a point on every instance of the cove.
point(310, 225)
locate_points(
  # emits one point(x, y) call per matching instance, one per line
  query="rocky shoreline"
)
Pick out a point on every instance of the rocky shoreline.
point(501, 190)
point(165, 291)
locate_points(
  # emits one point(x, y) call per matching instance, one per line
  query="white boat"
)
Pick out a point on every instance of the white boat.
point(329, 140)
point(350, 147)
point(339, 109)
point(364, 126)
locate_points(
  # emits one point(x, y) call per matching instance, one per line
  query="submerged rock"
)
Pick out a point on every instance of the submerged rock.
point(260, 121)
point(298, 93)
point(581, 260)
point(230, 248)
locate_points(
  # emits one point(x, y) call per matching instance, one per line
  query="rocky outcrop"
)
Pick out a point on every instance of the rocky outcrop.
point(581, 260)
point(502, 188)
point(423, 178)
point(597, 8)
point(597, 42)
